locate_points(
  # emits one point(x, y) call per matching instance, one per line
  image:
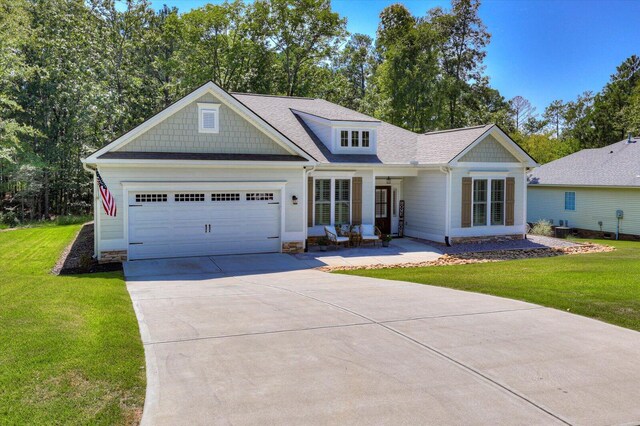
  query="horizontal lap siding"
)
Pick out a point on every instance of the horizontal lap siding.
point(425, 204)
point(113, 228)
point(592, 205)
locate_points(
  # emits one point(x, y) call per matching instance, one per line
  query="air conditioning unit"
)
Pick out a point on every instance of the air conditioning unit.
point(561, 223)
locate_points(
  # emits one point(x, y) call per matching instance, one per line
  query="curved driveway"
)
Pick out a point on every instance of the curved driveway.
point(263, 340)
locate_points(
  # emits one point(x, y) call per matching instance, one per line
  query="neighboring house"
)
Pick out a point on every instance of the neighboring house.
point(221, 173)
point(590, 190)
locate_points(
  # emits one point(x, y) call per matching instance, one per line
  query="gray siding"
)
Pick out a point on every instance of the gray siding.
point(179, 133)
point(489, 150)
point(592, 206)
point(425, 199)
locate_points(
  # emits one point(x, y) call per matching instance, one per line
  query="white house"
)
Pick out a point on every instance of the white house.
point(228, 173)
point(594, 191)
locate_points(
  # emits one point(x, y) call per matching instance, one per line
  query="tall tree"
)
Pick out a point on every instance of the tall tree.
point(522, 110)
point(355, 63)
point(554, 114)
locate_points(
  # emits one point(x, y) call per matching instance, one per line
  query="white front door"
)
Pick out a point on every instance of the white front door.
point(200, 223)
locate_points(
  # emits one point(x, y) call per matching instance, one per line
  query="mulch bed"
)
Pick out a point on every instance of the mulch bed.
point(486, 257)
point(77, 258)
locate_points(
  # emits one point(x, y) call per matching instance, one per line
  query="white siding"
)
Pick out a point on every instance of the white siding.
point(592, 205)
point(456, 201)
point(112, 229)
point(425, 198)
point(322, 131)
point(179, 133)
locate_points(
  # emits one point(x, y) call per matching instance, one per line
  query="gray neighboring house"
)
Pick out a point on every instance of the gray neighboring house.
point(596, 191)
point(233, 173)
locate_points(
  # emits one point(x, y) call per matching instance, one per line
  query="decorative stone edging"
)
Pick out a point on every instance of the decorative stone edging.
point(485, 257)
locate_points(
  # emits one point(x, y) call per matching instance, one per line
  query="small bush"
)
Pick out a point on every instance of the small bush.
point(542, 227)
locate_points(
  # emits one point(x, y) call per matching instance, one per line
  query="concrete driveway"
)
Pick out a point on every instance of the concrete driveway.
point(263, 340)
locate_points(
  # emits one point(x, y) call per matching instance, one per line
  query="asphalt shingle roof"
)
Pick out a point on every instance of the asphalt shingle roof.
point(614, 165)
point(443, 146)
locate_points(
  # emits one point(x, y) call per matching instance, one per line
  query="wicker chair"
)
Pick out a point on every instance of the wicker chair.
point(334, 238)
point(368, 233)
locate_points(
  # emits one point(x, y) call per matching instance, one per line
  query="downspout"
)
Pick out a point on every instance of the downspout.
point(96, 227)
point(305, 186)
point(447, 221)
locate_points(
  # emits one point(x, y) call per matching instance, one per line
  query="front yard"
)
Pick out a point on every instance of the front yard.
point(605, 286)
point(70, 350)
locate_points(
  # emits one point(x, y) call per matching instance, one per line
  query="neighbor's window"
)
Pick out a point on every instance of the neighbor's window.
point(323, 201)
point(497, 202)
point(208, 118)
point(570, 201)
point(344, 138)
point(342, 197)
point(480, 202)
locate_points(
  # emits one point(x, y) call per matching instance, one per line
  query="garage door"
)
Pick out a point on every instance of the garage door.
point(197, 223)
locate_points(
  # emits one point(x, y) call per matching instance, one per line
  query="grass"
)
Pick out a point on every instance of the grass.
point(58, 221)
point(605, 286)
point(70, 350)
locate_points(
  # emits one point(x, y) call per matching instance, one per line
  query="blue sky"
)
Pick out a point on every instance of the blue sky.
point(540, 49)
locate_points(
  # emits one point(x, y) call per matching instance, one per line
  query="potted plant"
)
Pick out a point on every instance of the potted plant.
point(386, 239)
point(323, 242)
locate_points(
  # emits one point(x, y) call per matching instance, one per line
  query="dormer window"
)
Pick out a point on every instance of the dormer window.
point(344, 138)
point(355, 138)
point(365, 139)
point(208, 118)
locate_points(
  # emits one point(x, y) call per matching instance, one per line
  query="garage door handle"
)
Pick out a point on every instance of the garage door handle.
point(209, 227)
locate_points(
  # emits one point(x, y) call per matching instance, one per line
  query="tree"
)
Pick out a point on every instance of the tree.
point(554, 115)
point(464, 38)
point(302, 33)
point(522, 110)
point(355, 64)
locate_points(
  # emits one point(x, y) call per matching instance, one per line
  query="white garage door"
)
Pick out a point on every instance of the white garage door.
point(198, 223)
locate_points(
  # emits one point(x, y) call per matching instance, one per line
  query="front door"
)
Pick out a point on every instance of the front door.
point(383, 209)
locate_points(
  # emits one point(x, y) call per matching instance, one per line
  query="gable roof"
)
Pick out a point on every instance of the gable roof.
point(613, 165)
point(209, 87)
point(443, 146)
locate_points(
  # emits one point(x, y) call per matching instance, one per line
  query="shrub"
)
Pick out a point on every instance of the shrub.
point(542, 227)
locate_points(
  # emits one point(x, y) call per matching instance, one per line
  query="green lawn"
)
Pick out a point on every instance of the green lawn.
point(605, 286)
point(70, 350)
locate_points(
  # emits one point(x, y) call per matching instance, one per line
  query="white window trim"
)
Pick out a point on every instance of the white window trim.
point(208, 107)
point(574, 201)
point(488, 202)
point(333, 197)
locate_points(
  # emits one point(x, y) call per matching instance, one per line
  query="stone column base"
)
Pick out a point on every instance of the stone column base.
point(113, 256)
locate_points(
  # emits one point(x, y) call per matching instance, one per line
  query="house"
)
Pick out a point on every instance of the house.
point(229, 173)
point(594, 191)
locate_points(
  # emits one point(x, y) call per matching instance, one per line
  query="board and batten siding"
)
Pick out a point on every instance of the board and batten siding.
point(179, 133)
point(592, 206)
point(425, 197)
point(112, 228)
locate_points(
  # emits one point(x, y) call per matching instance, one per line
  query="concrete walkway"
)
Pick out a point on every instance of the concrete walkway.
point(297, 346)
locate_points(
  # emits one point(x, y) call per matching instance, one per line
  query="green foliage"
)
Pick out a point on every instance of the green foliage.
point(545, 148)
point(542, 227)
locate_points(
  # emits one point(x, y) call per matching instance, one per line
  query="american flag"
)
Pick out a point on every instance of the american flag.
point(108, 202)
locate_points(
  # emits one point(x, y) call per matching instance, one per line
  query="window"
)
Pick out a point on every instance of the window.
point(394, 202)
point(323, 201)
point(570, 201)
point(332, 201)
point(344, 138)
point(342, 204)
point(479, 202)
point(365, 139)
point(151, 198)
point(497, 202)
point(260, 196)
point(208, 118)
point(225, 197)
point(381, 203)
point(186, 198)
point(488, 202)
point(355, 138)
point(355, 142)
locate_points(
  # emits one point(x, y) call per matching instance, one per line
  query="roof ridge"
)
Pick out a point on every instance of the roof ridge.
point(272, 96)
point(457, 129)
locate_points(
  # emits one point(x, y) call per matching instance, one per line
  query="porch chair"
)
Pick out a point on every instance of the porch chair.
point(369, 233)
point(334, 238)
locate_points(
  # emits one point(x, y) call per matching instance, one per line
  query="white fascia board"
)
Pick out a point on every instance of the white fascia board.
point(212, 185)
point(226, 98)
point(505, 140)
point(336, 123)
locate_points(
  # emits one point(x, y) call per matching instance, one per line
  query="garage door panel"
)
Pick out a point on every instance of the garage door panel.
point(238, 224)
